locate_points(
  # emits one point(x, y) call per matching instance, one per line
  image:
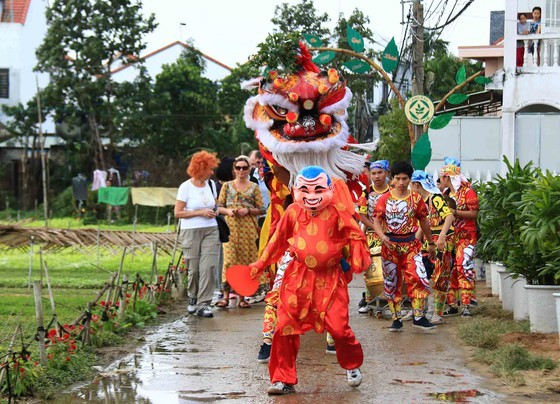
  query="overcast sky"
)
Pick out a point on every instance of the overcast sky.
point(230, 31)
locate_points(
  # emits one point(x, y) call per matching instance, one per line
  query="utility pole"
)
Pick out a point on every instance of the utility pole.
point(418, 55)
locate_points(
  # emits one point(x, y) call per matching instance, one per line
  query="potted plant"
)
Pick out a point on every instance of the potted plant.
point(540, 238)
point(500, 221)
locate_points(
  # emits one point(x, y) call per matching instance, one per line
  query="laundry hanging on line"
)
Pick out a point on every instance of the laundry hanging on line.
point(113, 195)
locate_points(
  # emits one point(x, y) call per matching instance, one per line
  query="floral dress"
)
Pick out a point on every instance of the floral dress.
point(241, 248)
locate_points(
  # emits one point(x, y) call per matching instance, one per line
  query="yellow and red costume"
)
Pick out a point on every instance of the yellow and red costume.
point(465, 243)
point(438, 212)
point(404, 259)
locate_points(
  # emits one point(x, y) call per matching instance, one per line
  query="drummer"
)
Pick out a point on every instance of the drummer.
point(379, 185)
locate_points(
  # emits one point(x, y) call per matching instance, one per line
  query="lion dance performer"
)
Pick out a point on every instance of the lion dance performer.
point(299, 120)
point(314, 293)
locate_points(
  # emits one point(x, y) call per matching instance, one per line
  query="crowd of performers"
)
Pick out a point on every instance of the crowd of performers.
point(409, 236)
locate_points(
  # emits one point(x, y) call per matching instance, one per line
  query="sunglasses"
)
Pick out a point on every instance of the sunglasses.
point(241, 168)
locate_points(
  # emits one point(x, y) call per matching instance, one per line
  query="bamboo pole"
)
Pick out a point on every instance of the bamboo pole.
point(383, 74)
point(9, 354)
point(124, 290)
point(39, 321)
point(51, 297)
point(30, 264)
point(43, 163)
point(118, 289)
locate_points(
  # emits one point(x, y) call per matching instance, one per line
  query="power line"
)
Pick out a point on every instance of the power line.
point(450, 20)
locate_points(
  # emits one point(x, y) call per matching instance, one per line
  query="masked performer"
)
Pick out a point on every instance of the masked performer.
point(313, 293)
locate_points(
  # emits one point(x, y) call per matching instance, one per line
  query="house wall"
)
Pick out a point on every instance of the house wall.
point(476, 141)
point(18, 44)
point(535, 88)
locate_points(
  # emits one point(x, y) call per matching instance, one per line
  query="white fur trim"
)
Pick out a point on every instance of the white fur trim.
point(371, 146)
point(341, 105)
point(298, 146)
point(251, 83)
point(277, 99)
point(248, 116)
point(335, 162)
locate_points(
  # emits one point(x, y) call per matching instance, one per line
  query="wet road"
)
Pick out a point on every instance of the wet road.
point(193, 360)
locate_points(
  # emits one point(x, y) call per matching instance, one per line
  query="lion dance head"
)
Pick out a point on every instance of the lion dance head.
point(299, 119)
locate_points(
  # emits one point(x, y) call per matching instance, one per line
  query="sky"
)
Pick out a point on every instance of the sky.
point(229, 31)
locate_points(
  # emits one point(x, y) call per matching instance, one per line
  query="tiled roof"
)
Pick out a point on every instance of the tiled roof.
point(15, 11)
point(184, 45)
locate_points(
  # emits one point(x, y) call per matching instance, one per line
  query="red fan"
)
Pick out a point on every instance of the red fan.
point(239, 278)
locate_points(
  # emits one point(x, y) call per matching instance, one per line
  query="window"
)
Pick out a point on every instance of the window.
point(551, 16)
point(4, 83)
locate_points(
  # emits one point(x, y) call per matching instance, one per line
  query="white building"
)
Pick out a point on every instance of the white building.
point(526, 127)
point(22, 28)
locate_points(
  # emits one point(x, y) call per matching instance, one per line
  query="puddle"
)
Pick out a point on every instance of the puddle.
point(459, 396)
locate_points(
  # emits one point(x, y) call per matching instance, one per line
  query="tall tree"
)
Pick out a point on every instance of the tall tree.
point(84, 40)
point(300, 18)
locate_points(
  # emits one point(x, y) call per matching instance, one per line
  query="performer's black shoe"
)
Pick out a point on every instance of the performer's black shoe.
point(396, 326)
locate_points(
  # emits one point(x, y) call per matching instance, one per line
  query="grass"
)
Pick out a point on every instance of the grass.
point(75, 280)
point(506, 360)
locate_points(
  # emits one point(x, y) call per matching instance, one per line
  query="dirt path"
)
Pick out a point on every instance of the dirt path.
point(199, 360)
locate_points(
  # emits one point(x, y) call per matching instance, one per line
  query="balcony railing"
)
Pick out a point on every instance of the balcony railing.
point(541, 52)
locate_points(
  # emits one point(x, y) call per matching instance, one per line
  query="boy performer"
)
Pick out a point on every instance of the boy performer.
point(313, 292)
point(465, 228)
point(379, 171)
point(396, 219)
point(441, 225)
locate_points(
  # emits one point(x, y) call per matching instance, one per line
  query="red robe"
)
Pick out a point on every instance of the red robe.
point(316, 240)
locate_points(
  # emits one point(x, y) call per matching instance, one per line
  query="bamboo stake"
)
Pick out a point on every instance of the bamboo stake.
point(30, 264)
point(7, 357)
point(118, 288)
point(51, 297)
point(39, 320)
point(91, 304)
point(124, 289)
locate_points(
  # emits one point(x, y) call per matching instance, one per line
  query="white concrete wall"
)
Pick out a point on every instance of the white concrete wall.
point(476, 141)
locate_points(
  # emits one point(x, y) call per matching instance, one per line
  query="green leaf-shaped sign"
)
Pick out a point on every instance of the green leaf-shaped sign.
point(357, 66)
point(313, 40)
point(483, 80)
point(355, 40)
point(461, 75)
point(457, 98)
point(390, 56)
point(324, 57)
point(441, 121)
point(422, 152)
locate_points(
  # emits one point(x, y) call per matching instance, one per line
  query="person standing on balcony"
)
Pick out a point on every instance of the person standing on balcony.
point(523, 28)
point(536, 29)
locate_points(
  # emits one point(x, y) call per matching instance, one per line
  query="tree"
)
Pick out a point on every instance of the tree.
point(300, 18)
point(23, 127)
point(395, 142)
point(84, 40)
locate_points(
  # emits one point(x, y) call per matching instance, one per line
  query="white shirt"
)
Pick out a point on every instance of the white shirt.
point(196, 198)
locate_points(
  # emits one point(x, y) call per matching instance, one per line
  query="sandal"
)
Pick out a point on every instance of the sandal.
point(222, 303)
point(243, 304)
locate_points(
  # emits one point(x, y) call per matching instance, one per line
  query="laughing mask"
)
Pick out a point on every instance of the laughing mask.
point(313, 188)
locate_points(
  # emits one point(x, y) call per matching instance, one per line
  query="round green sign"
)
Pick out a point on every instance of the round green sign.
point(419, 109)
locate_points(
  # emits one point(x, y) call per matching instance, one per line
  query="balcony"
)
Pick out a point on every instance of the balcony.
point(547, 59)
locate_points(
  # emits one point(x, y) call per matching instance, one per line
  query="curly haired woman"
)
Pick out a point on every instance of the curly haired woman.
point(196, 207)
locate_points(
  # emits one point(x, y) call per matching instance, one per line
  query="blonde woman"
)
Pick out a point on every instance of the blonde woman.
point(242, 202)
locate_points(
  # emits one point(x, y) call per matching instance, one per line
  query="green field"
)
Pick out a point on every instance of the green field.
point(75, 277)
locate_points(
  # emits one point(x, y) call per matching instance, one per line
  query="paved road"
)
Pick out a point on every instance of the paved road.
point(205, 360)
